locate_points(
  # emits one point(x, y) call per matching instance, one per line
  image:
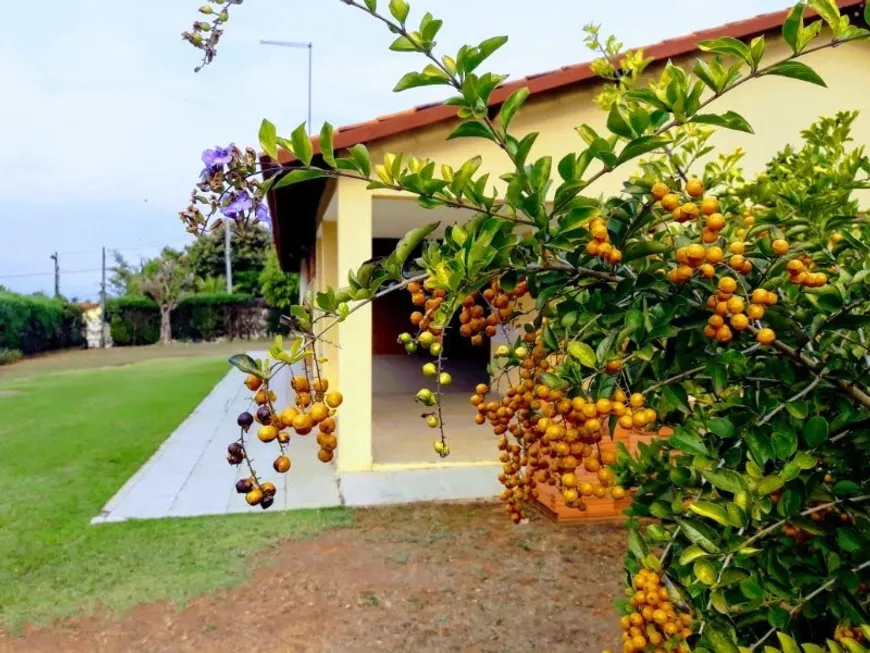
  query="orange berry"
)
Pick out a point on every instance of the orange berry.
point(755, 311)
point(689, 210)
point(707, 271)
point(795, 266)
point(709, 331)
point(765, 336)
point(709, 236)
point(695, 188)
point(715, 255)
point(780, 246)
point(716, 321)
point(727, 284)
point(739, 322)
point(670, 201)
point(709, 205)
point(723, 334)
point(695, 252)
point(659, 190)
point(592, 247)
point(735, 305)
point(715, 222)
point(737, 247)
point(736, 261)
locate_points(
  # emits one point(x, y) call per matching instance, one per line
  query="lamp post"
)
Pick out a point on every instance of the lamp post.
point(307, 46)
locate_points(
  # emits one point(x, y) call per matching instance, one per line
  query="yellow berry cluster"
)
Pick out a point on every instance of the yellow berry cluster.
point(556, 435)
point(725, 304)
point(315, 407)
point(600, 244)
point(655, 621)
point(800, 273)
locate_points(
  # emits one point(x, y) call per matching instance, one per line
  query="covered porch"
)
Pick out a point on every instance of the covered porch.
point(381, 427)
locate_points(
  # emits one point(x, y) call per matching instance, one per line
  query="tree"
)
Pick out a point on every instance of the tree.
point(165, 280)
point(732, 312)
point(124, 278)
point(248, 257)
point(280, 289)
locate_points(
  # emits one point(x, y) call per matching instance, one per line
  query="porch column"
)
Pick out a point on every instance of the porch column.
point(327, 268)
point(354, 236)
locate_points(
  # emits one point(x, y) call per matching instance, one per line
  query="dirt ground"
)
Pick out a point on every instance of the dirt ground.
point(434, 578)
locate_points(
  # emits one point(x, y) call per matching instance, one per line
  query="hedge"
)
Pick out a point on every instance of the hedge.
point(136, 320)
point(32, 324)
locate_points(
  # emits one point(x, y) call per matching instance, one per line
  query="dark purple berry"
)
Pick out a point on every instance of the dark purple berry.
point(245, 420)
point(266, 502)
point(264, 415)
point(244, 485)
point(236, 450)
point(234, 460)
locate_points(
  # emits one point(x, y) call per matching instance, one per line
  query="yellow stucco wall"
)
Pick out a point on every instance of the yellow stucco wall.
point(777, 108)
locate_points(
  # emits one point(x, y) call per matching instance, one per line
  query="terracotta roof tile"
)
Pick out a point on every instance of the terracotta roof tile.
point(429, 114)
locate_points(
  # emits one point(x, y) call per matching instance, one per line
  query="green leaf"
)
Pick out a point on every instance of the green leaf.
point(472, 129)
point(302, 147)
point(867, 13)
point(269, 139)
point(816, 431)
point(372, 5)
point(637, 545)
point(756, 51)
point(360, 155)
point(805, 460)
point(403, 44)
point(848, 540)
point(729, 46)
point(725, 479)
point(751, 589)
point(720, 639)
point(711, 511)
point(326, 144)
point(789, 503)
point(784, 444)
point(688, 442)
point(737, 515)
point(796, 70)
point(793, 26)
point(704, 571)
point(846, 488)
point(721, 427)
point(416, 80)
point(511, 106)
point(692, 553)
point(399, 9)
point(617, 123)
point(554, 382)
point(296, 176)
point(829, 11)
point(787, 643)
point(644, 248)
point(640, 146)
point(647, 96)
point(768, 485)
point(700, 534)
point(246, 364)
point(583, 353)
point(729, 120)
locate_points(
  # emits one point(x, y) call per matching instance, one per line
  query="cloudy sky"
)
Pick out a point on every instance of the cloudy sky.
point(102, 119)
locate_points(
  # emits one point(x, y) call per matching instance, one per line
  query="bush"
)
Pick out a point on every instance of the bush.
point(136, 320)
point(33, 324)
point(9, 356)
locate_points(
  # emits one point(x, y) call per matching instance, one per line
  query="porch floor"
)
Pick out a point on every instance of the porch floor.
point(400, 435)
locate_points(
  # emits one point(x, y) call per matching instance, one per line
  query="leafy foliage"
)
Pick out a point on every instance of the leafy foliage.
point(32, 324)
point(248, 254)
point(750, 516)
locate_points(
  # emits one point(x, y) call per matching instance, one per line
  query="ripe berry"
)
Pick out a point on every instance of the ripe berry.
point(253, 382)
point(281, 464)
point(695, 188)
point(244, 485)
point(245, 420)
point(780, 246)
point(267, 502)
point(765, 336)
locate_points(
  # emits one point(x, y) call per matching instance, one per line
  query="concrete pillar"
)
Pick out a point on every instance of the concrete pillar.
point(354, 240)
point(327, 275)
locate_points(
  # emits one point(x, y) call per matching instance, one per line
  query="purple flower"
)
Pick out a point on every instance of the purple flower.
point(218, 157)
point(262, 214)
point(240, 203)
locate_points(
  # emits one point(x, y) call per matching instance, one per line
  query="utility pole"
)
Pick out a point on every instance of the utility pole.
point(54, 258)
point(310, 47)
point(103, 304)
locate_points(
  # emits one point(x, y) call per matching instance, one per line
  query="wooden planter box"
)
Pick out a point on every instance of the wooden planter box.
point(550, 501)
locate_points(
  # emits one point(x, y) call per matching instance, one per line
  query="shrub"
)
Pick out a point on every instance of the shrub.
point(734, 313)
point(34, 324)
point(9, 356)
point(136, 320)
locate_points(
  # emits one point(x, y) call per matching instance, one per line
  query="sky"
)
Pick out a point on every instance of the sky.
point(102, 119)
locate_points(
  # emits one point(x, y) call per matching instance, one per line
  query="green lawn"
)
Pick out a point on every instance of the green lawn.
point(68, 441)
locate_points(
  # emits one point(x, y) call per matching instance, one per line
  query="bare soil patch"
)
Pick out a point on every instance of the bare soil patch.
point(427, 578)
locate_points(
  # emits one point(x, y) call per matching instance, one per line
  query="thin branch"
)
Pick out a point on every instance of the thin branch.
point(805, 391)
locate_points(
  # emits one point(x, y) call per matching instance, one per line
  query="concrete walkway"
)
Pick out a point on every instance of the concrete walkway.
point(188, 475)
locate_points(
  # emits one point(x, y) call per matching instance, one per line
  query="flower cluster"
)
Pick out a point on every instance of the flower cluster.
point(205, 35)
point(228, 184)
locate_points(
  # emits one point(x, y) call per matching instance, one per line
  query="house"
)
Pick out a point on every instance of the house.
point(323, 228)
